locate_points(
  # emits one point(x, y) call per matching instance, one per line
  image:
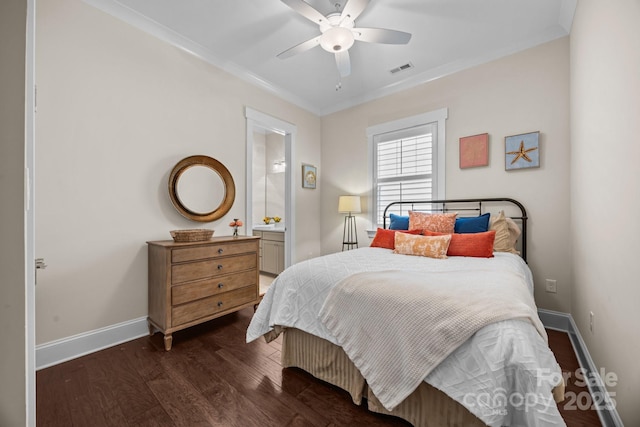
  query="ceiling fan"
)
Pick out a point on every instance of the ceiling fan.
point(339, 32)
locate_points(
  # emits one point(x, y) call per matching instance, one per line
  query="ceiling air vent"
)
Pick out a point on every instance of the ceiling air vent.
point(403, 67)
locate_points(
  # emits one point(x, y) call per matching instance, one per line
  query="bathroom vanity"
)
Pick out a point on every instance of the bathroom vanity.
point(271, 249)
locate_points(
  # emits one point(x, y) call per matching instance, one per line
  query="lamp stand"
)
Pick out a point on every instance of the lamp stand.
point(350, 233)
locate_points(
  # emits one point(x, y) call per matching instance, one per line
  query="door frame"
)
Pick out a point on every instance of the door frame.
point(29, 197)
point(256, 119)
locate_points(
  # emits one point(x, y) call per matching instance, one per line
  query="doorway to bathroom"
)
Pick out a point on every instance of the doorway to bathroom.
point(270, 190)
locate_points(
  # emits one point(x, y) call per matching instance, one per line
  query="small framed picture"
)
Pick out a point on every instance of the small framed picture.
point(522, 151)
point(474, 151)
point(309, 176)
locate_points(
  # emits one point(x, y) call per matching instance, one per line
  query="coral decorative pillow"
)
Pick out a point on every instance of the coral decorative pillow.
point(386, 238)
point(429, 246)
point(478, 245)
point(440, 223)
point(507, 233)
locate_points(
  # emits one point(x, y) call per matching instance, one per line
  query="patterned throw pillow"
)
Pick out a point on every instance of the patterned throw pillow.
point(440, 223)
point(428, 246)
point(386, 238)
point(479, 245)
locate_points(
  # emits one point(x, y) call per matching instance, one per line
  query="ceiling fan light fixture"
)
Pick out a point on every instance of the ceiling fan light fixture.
point(337, 39)
point(339, 31)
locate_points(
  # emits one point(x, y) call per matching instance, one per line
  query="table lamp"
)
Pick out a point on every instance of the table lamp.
point(349, 205)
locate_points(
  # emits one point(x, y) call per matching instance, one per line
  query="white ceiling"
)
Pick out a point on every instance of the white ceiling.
point(244, 37)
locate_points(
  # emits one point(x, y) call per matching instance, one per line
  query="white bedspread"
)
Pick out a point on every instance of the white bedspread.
point(503, 374)
point(379, 320)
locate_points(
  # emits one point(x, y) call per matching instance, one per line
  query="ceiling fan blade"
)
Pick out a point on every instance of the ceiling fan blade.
point(306, 10)
point(352, 10)
point(344, 63)
point(302, 47)
point(381, 35)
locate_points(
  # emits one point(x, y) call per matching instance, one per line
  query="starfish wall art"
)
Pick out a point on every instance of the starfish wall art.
point(522, 151)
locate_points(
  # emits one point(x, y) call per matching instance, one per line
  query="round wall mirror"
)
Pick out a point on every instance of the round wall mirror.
point(201, 188)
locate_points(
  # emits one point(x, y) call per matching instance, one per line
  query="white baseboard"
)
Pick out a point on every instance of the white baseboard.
point(564, 322)
point(55, 352)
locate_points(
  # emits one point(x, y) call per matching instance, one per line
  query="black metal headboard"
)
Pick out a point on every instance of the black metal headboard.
point(468, 207)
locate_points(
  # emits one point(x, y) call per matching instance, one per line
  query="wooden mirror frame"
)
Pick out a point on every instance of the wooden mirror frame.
point(229, 186)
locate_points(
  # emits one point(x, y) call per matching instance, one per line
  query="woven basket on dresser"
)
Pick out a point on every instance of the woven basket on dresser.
point(193, 235)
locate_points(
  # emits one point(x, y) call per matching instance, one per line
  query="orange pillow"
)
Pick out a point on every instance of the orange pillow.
point(478, 245)
point(385, 238)
point(438, 222)
point(432, 246)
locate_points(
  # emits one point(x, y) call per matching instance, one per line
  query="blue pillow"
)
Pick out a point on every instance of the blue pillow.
point(399, 222)
point(476, 224)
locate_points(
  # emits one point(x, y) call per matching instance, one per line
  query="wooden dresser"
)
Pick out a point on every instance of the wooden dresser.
point(191, 283)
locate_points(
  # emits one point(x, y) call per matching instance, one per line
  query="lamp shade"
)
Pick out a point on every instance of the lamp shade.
point(349, 204)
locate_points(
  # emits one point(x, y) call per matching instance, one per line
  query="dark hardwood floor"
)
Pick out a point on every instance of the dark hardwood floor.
point(211, 377)
point(574, 408)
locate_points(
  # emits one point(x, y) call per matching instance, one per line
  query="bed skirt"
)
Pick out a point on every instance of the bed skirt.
point(426, 406)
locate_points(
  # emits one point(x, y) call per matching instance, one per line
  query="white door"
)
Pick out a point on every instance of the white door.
point(30, 215)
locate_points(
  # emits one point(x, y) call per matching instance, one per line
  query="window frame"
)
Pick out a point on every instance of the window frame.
point(438, 168)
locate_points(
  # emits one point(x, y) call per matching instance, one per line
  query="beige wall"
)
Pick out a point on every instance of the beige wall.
point(268, 187)
point(117, 109)
point(259, 177)
point(525, 92)
point(274, 187)
point(605, 124)
point(13, 32)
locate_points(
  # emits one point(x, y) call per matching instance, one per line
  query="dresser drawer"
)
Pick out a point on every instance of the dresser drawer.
point(212, 251)
point(211, 305)
point(209, 287)
point(181, 273)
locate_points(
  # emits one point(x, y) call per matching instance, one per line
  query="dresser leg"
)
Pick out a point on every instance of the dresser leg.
point(168, 340)
point(151, 327)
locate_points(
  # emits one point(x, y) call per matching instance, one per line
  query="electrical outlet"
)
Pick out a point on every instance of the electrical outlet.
point(591, 315)
point(552, 286)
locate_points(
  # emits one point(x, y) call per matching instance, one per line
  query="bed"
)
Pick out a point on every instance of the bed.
point(420, 362)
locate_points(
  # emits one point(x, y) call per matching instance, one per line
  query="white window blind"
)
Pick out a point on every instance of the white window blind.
point(405, 159)
point(404, 166)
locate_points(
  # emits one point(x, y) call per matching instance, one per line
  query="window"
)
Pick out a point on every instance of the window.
point(407, 161)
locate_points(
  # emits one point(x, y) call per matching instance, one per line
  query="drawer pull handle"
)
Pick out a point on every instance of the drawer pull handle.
point(219, 266)
point(220, 250)
point(220, 285)
point(219, 303)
